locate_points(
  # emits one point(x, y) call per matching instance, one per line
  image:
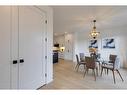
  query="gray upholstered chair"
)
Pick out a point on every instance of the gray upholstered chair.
point(91, 64)
point(113, 64)
point(82, 57)
point(79, 63)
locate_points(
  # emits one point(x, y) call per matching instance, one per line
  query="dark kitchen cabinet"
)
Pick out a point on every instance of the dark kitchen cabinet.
point(55, 57)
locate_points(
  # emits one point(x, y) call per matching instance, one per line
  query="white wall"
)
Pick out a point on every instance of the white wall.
point(69, 46)
point(81, 44)
point(59, 39)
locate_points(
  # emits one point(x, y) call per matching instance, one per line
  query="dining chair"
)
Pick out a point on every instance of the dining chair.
point(113, 64)
point(79, 63)
point(111, 61)
point(91, 64)
point(82, 57)
point(97, 58)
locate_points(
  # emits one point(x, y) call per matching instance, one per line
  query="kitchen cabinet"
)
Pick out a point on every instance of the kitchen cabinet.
point(55, 56)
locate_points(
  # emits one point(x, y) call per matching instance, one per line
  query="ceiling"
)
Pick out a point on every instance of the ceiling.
point(79, 18)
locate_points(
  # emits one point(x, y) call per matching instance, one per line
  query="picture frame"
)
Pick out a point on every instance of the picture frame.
point(108, 43)
point(93, 43)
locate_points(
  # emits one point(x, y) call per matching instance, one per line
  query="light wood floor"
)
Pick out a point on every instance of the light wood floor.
point(65, 77)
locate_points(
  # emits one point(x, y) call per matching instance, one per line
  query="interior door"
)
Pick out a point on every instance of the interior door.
point(14, 47)
point(31, 48)
point(5, 44)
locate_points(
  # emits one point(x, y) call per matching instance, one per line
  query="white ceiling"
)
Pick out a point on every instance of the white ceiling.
point(79, 18)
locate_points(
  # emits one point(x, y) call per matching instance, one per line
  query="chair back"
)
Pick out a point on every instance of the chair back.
point(77, 58)
point(93, 55)
point(81, 56)
point(112, 59)
point(90, 62)
point(117, 63)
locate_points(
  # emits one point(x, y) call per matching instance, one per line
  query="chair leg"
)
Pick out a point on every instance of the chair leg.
point(84, 66)
point(107, 71)
point(99, 65)
point(85, 72)
point(78, 67)
point(94, 74)
point(97, 71)
point(120, 75)
point(114, 76)
point(101, 71)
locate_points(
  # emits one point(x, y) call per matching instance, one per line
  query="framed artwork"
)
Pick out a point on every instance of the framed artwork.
point(108, 43)
point(93, 44)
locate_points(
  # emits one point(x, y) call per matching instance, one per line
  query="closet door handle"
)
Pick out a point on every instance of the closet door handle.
point(15, 61)
point(21, 61)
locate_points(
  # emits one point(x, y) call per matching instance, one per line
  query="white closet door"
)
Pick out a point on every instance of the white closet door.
point(5, 40)
point(31, 48)
point(14, 47)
